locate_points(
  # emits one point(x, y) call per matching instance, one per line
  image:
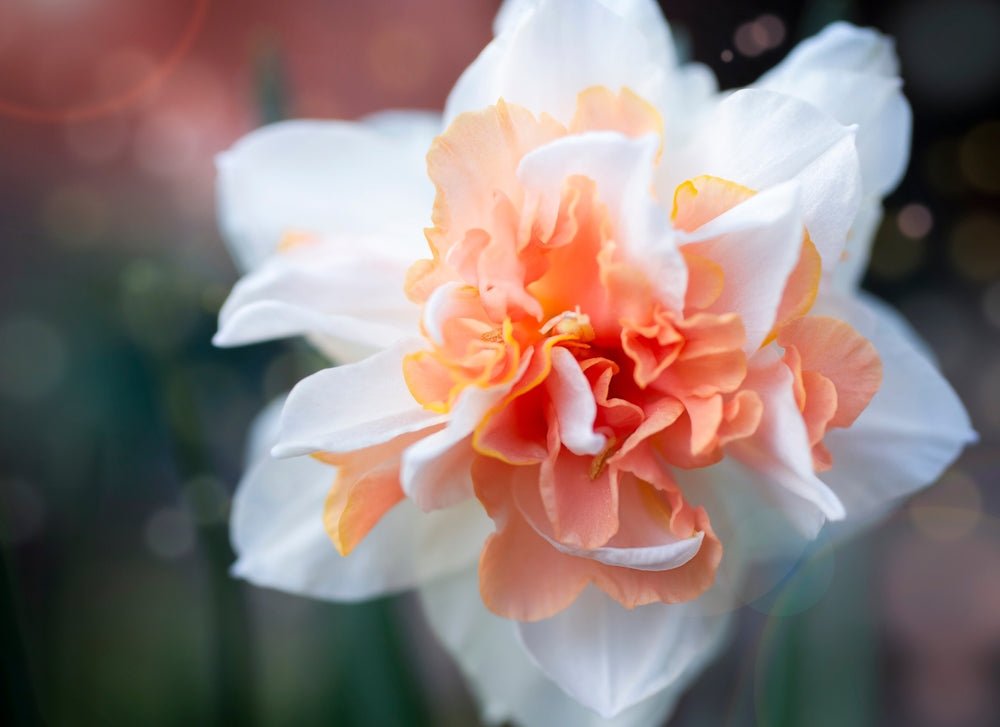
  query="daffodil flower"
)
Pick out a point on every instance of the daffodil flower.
point(593, 326)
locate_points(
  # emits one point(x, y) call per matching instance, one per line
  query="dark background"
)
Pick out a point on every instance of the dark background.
point(121, 428)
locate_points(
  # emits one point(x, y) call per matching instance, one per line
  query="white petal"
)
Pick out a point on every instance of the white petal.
point(875, 104)
point(846, 276)
point(549, 53)
point(913, 429)
point(576, 409)
point(345, 301)
point(759, 139)
point(757, 243)
point(278, 534)
point(622, 169)
point(416, 128)
point(780, 449)
point(644, 15)
point(353, 406)
point(844, 47)
point(436, 471)
point(852, 74)
point(610, 658)
point(508, 685)
point(323, 178)
point(654, 558)
point(765, 529)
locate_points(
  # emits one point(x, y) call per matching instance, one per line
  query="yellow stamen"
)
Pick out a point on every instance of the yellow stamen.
point(597, 465)
point(570, 323)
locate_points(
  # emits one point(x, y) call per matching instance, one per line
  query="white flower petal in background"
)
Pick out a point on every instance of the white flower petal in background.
point(280, 542)
point(348, 304)
point(759, 139)
point(852, 74)
point(644, 15)
point(508, 684)
point(846, 276)
point(610, 658)
point(687, 89)
point(353, 406)
point(876, 104)
point(843, 47)
point(413, 129)
point(913, 429)
point(566, 34)
point(325, 178)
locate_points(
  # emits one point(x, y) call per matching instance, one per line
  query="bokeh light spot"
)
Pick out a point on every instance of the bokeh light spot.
point(915, 221)
point(757, 36)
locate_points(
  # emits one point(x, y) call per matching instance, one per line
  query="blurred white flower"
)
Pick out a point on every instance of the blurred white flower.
point(638, 336)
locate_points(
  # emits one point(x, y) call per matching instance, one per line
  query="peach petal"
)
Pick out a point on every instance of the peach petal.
point(705, 375)
point(581, 505)
point(706, 334)
point(613, 413)
point(801, 288)
point(366, 488)
point(741, 417)
point(706, 418)
point(834, 349)
point(659, 414)
point(704, 198)
point(535, 373)
point(467, 179)
point(674, 445)
point(706, 280)
point(516, 433)
point(647, 544)
point(428, 380)
point(521, 576)
point(820, 404)
point(573, 277)
point(652, 348)
point(599, 109)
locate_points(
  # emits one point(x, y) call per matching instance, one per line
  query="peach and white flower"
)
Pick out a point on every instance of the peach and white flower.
point(591, 323)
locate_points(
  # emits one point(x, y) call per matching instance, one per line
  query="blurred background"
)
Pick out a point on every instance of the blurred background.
point(122, 429)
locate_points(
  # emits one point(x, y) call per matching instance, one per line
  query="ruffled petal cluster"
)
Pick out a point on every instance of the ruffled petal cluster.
point(593, 326)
